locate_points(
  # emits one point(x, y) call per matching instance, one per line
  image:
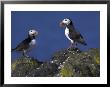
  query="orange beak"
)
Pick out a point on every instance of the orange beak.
point(62, 24)
point(35, 34)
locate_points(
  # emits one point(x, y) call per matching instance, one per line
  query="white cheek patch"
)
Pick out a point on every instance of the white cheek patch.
point(66, 22)
point(31, 32)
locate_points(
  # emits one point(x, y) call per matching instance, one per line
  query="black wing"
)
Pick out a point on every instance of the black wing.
point(76, 36)
point(23, 45)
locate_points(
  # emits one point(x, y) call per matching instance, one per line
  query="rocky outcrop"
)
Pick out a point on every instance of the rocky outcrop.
point(64, 63)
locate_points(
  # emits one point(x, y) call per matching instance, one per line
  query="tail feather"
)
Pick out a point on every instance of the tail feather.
point(82, 41)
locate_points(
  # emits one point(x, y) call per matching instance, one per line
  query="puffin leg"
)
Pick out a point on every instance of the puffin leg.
point(74, 45)
point(34, 46)
point(71, 45)
point(24, 53)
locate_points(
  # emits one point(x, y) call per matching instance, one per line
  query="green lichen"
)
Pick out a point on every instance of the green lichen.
point(97, 60)
point(13, 66)
point(66, 72)
point(23, 65)
point(73, 64)
point(84, 64)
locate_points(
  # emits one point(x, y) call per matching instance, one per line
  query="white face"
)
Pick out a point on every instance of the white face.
point(66, 21)
point(33, 32)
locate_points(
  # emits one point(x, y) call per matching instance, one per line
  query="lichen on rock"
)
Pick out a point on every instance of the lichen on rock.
point(23, 65)
point(64, 63)
point(84, 64)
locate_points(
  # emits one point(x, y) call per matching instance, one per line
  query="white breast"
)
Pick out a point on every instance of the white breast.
point(67, 34)
point(33, 42)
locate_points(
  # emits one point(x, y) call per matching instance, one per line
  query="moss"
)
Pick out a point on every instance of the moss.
point(66, 72)
point(22, 66)
point(13, 66)
point(97, 57)
point(84, 64)
point(97, 60)
point(65, 63)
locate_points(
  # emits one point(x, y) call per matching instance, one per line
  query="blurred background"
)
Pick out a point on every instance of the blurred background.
point(51, 36)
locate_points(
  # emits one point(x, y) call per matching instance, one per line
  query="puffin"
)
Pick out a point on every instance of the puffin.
point(27, 44)
point(71, 33)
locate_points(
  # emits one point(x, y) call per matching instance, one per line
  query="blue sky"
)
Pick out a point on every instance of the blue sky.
point(51, 36)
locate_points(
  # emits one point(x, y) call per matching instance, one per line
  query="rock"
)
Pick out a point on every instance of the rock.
point(23, 65)
point(84, 64)
point(64, 63)
point(47, 69)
